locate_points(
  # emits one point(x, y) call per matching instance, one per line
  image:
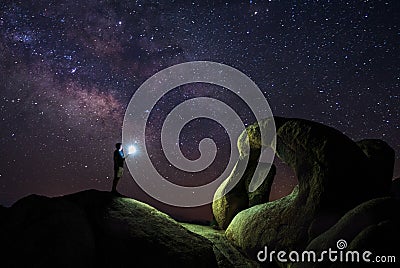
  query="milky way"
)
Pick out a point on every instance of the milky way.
point(69, 68)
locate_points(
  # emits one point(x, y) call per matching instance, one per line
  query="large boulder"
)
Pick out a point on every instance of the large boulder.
point(226, 254)
point(261, 194)
point(98, 229)
point(371, 226)
point(239, 198)
point(381, 162)
point(395, 188)
point(253, 226)
point(44, 232)
point(227, 204)
point(334, 176)
point(3, 213)
point(131, 233)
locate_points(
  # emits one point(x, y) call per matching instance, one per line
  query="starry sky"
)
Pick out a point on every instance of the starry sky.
point(69, 68)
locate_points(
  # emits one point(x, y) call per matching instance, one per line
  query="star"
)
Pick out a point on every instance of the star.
point(68, 72)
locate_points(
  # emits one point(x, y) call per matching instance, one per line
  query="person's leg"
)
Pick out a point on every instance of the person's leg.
point(115, 181)
point(117, 176)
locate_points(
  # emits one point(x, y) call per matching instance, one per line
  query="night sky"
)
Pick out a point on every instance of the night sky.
point(69, 68)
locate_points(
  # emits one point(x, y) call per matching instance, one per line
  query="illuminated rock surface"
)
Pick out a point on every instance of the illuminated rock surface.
point(97, 229)
point(335, 174)
point(341, 192)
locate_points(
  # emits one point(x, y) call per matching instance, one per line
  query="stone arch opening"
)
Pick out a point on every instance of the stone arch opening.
point(284, 182)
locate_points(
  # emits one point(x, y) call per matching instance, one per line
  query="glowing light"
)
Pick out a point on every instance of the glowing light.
point(132, 149)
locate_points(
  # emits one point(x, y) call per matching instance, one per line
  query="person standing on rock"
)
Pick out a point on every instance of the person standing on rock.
point(119, 159)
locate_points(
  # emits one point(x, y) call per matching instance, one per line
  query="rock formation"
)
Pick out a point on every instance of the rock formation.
point(371, 226)
point(3, 213)
point(395, 188)
point(38, 232)
point(96, 229)
point(334, 173)
point(343, 193)
point(381, 163)
point(239, 198)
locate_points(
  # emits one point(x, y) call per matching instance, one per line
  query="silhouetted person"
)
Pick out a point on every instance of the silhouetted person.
point(119, 159)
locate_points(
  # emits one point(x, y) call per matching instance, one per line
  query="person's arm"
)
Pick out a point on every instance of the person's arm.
point(125, 156)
